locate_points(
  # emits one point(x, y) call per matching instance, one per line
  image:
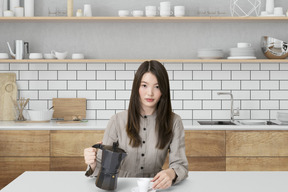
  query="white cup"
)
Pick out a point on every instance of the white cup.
point(150, 11)
point(4, 56)
point(243, 45)
point(59, 55)
point(49, 56)
point(165, 4)
point(137, 13)
point(35, 56)
point(165, 13)
point(143, 184)
point(19, 12)
point(264, 13)
point(278, 11)
point(179, 11)
point(123, 13)
point(77, 56)
point(8, 13)
point(87, 10)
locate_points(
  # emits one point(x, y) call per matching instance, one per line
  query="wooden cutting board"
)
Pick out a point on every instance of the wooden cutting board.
point(8, 93)
point(69, 107)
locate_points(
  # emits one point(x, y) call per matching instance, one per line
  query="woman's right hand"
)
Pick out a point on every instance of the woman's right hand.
point(90, 156)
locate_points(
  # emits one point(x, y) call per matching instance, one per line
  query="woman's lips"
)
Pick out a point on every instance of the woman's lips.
point(149, 100)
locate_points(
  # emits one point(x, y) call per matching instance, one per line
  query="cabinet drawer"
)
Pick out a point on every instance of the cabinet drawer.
point(73, 143)
point(205, 143)
point(257, 164)
point(24, 143)
point(257, 143)
point(68, 164)
point(12, 167)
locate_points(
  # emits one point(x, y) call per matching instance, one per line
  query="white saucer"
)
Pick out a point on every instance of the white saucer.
point(241, 57)
point(135, 189)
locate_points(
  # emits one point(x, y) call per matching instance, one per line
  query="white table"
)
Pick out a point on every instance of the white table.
point(70, 181)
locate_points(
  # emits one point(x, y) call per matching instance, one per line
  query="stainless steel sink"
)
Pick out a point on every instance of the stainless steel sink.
point(216, 123)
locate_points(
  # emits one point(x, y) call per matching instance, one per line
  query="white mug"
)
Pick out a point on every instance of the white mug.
point(123, 13)
point(8, 13)
point(165, 13)
point(87, 10)
point(278, 11)
point(19, 11)
point(137, 13)
point(59, 55)
point(243, 45)
point(150, 11)
point(143, 184)
point(77, 56)
point(179, 11)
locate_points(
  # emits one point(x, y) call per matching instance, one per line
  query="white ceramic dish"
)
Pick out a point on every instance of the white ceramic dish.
point(38, 115)
point(35, 56)
point(242, 57)
point(135, 189)
point(49, 56)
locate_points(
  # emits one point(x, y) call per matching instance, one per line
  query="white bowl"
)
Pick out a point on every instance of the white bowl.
point(35, 56)
point(37, 115)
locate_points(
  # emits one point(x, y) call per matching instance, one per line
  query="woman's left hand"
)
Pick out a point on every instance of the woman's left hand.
point(164, 179)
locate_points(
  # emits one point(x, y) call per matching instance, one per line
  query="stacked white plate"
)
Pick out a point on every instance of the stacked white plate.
point(242, 53)
point(210, 53)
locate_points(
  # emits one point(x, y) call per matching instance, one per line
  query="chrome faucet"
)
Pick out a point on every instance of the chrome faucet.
point(232, 111)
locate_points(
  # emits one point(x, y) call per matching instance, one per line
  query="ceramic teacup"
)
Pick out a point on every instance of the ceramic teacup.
point(77, 56)
point(49, 56)
point(179, 11)
point(4, 56)
point(123, 13)
point(35, 56)
point(59, 55)
point(137, 13)
point(143, 184)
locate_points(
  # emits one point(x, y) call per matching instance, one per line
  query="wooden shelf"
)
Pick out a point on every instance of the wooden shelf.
point(139, 19)
point(142, 60)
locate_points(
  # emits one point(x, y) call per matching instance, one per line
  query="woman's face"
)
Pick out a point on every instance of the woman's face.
point(149, 92)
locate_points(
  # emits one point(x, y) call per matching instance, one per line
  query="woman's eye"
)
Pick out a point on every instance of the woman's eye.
point(157, 87)
point(143, 85)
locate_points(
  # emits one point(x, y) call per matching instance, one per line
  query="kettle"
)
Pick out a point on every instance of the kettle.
point(19, 49)
point(112, 157)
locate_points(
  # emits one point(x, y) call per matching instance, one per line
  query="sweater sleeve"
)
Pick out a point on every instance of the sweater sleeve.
point(110, 136)
point(177, 156)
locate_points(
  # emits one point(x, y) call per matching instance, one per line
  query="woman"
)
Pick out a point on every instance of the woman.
point(147, 132)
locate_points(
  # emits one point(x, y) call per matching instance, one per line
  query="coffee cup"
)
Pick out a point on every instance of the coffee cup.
point(143, 184)
point(137, 13)
point(77, 56)
point(165, 13)
point(4, 56)
point(8, 13)
point(59, 55)
point(35, 56)
point(243, 45)
point(19, 11)
point(150, 11)
point(278, 11)
point(179, 11)
point(49, 56)
point(123, 13)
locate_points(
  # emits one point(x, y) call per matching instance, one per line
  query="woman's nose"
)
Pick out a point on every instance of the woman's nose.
point(150, 91)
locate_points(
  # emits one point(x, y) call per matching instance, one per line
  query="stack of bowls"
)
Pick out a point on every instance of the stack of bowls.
point(210, 53)
point(282, 117)
point(242, 51)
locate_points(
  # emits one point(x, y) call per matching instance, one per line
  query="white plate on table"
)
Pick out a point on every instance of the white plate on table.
point(135, 189)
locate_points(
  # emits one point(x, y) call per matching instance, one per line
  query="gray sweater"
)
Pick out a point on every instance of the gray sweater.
point(146, 160)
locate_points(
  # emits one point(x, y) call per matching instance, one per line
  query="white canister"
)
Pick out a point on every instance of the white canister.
point(3, 7)
point(270, 6)
point(8, 13)
point(19, 12)
point(29, 8)
point(87, 10)
point(13, 4)
point(69, 8)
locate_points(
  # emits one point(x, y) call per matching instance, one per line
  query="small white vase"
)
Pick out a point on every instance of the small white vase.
point(270, 7)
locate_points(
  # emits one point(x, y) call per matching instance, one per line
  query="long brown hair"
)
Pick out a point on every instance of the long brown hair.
point(164, 110)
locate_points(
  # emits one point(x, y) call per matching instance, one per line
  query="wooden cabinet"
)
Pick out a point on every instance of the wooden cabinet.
point(256, 150)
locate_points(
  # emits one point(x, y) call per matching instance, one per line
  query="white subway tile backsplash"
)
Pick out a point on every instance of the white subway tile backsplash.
point(76, 85)
point(170, 75)
point(19, 66)
point(268, 85)
point(67, 94)
point(29, 94)
point(48, 75)
point(38, 66)
point(231, 85)
point(96, 85)
point(4, 67)
point(269, 66)
point(241, 95)
point(115, 104)
point(28, 75)
point(221, 114)
point(76, 66)
point(202, 114)
point(201, 75)
point(105, 114)
point(128, 85)
point(260, 114)
point(184, 114)
point(115, 85)
point(38, 105)
point(94, 104)
point(266, 104)
point(182, 94)
point(250, 85)
point(260, 75)
point(86, 94)
point(202, 95)
point(124, 75)
point(176, 104)
point(96, 66)
point(284, 104)
point(67, 75)
point(47, 94)
point(192, 85)
point(240, 75)
point(132, 66)
point(106, 95)
point(57, 66)
point(231, 66)
point(211, 66)
point(38, 85)
point(221, 75)
point(115, 66)
point(57, 85)
point(22, 85)
point(283, 85)
point(90, 114)
point(211, 104)
point(123, 94)
point(211, 85)
point(86, 75)
point(279, 95)
point(250, 66)
point(176, 85)
point(244, 114)
point(279, 75)
point(259, 95)
point(192, 66)
point(250, 105)
point(185, 75)
point(173, 66)
point(106, 75)
point(283, 66)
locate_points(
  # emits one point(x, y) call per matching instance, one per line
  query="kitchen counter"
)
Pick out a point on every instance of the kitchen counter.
point(101, 125)
point(197, 181)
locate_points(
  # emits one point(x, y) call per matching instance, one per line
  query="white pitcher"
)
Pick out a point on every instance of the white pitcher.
point(19, 49)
